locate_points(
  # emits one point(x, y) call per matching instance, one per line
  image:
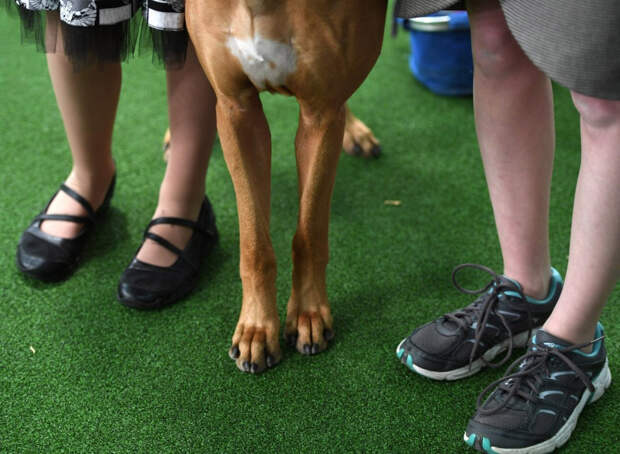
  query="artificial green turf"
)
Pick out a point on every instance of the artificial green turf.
point(104, 378)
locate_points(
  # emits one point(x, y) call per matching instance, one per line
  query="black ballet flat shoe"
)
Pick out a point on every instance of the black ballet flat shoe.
point(50, 258)
point(146, 286)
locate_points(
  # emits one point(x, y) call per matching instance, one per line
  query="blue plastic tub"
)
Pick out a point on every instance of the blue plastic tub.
point(441, 52)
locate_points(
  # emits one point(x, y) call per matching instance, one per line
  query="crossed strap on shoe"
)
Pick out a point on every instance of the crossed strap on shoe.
point(90, 217)
point(167, 244)
point(481, 309)
point(534, 364)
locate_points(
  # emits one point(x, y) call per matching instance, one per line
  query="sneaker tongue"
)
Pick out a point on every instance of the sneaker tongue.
point(540, 338)
point(507, 282)
point(549, 340)
point(449, 327)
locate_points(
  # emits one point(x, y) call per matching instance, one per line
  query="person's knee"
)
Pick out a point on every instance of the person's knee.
point(496, 52)
point(596, 112)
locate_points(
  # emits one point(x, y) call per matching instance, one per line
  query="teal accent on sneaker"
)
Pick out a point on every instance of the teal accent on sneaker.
point(486, 445)
point(400, 353)
point(595, 349)
point(597, 345)
point(556, 280)
point(409, 362)
point(471, 440)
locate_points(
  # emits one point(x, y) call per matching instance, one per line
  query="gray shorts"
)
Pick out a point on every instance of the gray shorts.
point(575, 42)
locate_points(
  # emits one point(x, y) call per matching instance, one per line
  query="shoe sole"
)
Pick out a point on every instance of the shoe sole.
point(600, 383)
point(519, 340)
point(48, 278)
point(159, 303)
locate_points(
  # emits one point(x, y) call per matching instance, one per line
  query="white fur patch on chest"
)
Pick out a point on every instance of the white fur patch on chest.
point(264, 61)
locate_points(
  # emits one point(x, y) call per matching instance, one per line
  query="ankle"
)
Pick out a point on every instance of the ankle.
point(186, 206)
point(533, 285)
point(95, 183)
point(575, 334)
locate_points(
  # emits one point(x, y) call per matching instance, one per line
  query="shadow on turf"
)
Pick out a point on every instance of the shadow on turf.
point(109, 237)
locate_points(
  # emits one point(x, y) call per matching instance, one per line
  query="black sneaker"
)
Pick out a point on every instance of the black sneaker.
point(535, 409)
point(459, 344)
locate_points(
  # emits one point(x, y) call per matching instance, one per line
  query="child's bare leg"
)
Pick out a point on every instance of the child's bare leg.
point(87, 100)
point(594, 261)
point(514, 122)
point(191, 106)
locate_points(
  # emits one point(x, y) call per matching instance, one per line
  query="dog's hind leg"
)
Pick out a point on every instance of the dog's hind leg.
point(309, 320)
point(358, 138)
point(246, 144)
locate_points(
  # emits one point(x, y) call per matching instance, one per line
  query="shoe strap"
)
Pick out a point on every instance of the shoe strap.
point(168, 245)
point(79, 199)
point(178, 221)
point(64, 217)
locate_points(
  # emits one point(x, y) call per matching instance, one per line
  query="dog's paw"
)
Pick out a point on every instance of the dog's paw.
point(309, 331)
point(255, 349)
point(359, 140)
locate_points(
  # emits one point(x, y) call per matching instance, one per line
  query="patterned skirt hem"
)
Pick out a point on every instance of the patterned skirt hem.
point(106, 41)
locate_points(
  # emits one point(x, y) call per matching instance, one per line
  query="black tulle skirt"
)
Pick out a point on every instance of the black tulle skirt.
point(107, 30)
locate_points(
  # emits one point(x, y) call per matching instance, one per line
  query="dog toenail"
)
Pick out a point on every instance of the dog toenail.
point(254, 368)
point(376, 151)
point(315, 349)
point(357, 150)
point(291, 339)
point(328, 334)
point(307, 349)
point(246, 366)
point(269, 360)
point(235, 352)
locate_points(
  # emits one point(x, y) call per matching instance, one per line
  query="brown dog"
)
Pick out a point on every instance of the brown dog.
point(319, 51)
point(358, 138)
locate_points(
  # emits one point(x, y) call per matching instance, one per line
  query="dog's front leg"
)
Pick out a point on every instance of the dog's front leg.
point(309, 320)
point(246, 144)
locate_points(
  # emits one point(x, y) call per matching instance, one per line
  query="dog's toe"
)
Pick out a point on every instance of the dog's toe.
point(234, 352)
point(311, 336)
point(255, 349)
point(291, 339)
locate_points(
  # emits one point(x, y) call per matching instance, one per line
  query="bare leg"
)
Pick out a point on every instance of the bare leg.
point(309, 320)
point(191, 106)
point(594, 261)
point(87, 100)
point(516, 136)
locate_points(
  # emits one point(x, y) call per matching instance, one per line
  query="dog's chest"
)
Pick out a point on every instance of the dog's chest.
point(266, 62)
